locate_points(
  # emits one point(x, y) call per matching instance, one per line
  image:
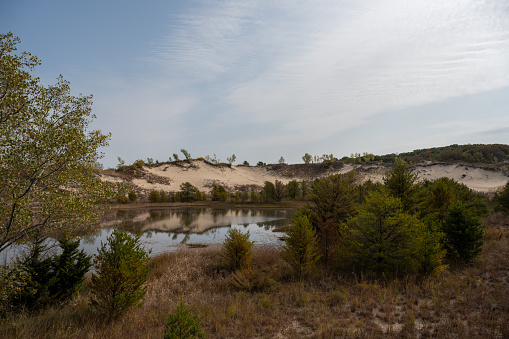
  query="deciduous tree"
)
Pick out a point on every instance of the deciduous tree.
point(47, 152)
point(307, 158)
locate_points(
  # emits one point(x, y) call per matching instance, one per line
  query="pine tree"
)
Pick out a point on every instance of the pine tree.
point(121, 270)
point(69, 269)
point(237, 249)
point(183, 324)
point(400, 182)
point(382, 239)
point(464, 233)
point(301, 247)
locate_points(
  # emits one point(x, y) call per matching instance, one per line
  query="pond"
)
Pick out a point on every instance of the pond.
point(168, 229)
point(164, 230)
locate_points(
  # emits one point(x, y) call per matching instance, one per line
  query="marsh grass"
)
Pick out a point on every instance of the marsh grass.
point(464, 301)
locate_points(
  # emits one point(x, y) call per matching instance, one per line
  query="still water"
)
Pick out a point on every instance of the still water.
point(164, 230)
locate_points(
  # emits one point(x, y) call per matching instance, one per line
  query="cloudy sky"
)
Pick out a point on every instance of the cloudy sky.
point(265, 79)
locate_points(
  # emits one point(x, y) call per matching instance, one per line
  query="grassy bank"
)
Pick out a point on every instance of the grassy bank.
point(462, 302)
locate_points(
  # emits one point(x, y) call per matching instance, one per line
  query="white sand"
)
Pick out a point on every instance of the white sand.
point(203, 175)
point(478, 179)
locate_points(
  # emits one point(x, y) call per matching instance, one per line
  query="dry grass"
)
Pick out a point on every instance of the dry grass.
point(462, 302)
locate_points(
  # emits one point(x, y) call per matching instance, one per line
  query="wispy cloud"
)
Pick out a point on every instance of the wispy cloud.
point(334, 58)
point(311, 70)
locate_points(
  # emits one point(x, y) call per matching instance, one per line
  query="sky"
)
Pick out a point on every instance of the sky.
point(280, 78)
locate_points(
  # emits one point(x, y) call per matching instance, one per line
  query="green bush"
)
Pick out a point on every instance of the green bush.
point(183, 324)
point(293, 189)
point(382, 240)
point(430, 250)
point(237, 249)
point(189, 193)
point(137, 164)
point(401, 183)
point(502, 200)
point(13, 280)
point(163, 196)
point(132, 196)
point(332, 202)
point(154, 196)
point(121, 267)
point(218, 193)
point(268, 191)
point(301, 247)
point(279, 190)
point(437, 196)
point(52, 279)
point(464, 233)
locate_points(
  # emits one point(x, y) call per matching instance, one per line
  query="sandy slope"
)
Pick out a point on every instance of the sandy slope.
point(169, 177)
point(476, 178)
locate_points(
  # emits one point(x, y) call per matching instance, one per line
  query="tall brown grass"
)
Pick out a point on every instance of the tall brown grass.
point(462, 302)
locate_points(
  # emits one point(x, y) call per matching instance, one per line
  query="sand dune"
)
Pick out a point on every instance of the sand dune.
point(169, 177)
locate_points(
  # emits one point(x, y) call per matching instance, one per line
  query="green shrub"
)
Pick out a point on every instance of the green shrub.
point(137, 164)
point(132, 196)
point(269, 191)
point(430, 250)
point(301, 247)
point(293, 189)
point(382, 240)
point(69, 269)
point(121, 267)
point(237, 249)
point(502, 200)
point(189, 193)
point(35, 288)
point(437, 196)
point(52, 279)
point(183, 324)
point(154, 196)
point(163, 196)
point(253, 196)
point(218, 193)
point(464, 233)
point(279, 190)
point(401, 183)
point(332, 202)
point(13, 280)
point(186, 154)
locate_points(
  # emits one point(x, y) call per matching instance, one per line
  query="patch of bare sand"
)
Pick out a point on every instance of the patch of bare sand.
point(202, 175)
point(478, 179)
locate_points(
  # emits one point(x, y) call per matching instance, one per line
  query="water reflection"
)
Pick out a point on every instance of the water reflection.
point(165, 230)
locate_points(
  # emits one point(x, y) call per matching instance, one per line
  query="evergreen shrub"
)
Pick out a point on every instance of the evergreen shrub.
point(237, 249)
point(183, 324)
point(301, 247)
point(121, 269)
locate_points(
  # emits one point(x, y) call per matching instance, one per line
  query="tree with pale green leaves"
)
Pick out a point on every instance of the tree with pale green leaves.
point(186, 154)
point(231, 160)
point(307, 158)
point(47, 153)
